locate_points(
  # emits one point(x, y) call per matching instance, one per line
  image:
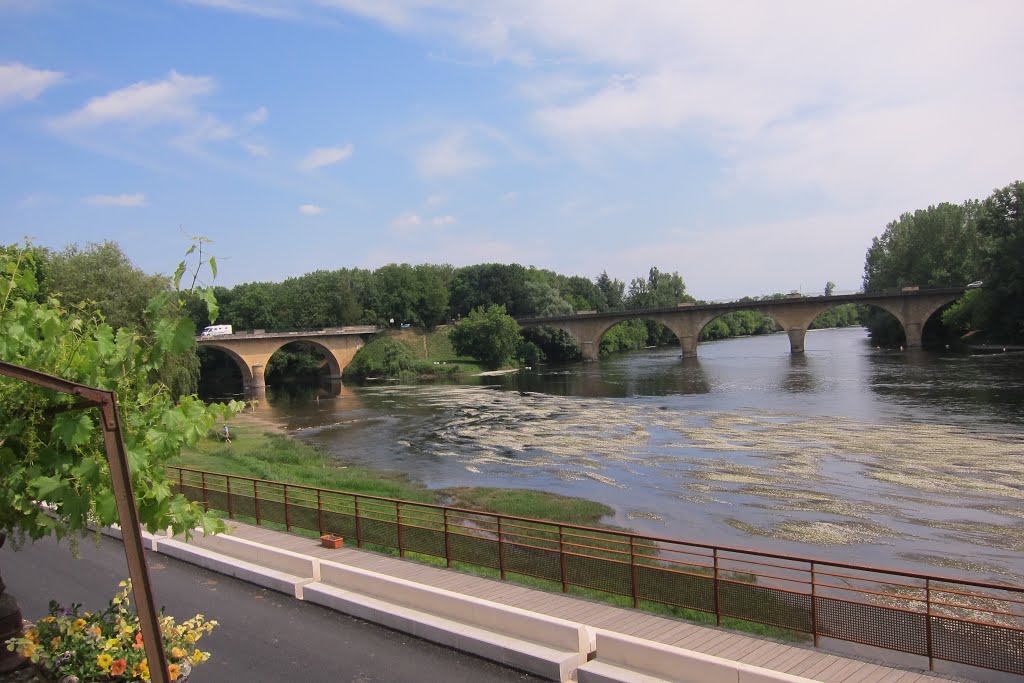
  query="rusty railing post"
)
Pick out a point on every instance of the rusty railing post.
point(231, 507)
point(256, 500)
point(447, 541)
point(287, 518)
point(561, 557)
point(206, 502)
point(398, 527)
point(359, 526)
point(319, 512)
point(928, 622)
point(814, 607)
point(181, 481)
point(632, 572)
point(501, 552)
point(718, 591)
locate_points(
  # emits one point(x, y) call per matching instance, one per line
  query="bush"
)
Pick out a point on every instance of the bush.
point(385, 357)
point(488, 334)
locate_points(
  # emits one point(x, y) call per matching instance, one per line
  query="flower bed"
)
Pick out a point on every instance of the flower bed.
point(72, 646)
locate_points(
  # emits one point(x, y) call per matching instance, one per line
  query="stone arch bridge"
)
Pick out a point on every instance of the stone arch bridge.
point(911, 307)
point(252, 350)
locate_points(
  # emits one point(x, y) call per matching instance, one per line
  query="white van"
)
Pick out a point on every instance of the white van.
point(215, 330)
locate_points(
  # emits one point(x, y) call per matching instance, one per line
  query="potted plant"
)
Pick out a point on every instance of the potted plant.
point(332, 541)
point(70, 645)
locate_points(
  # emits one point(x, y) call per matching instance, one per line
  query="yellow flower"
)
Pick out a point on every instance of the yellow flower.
point(177, 652)
point(78, 624)
point(55, 643)
point(198, 657)
point(111, 643)
point(141, 670)
point(33, 635)
point(28, 650)
point(104, 661)
point(47, 620)
point(173, 671)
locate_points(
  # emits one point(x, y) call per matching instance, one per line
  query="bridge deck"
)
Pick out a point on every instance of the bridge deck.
point(783, 657)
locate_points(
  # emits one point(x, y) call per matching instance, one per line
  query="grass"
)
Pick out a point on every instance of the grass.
point(436, 347)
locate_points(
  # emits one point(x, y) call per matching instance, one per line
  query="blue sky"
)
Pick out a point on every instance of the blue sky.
point(753, 147)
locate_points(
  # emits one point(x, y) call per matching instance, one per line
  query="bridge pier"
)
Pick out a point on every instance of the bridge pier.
point(688, 344)
point(258, 381)
point(590, 350)
point(913, 332)
point(796, 339)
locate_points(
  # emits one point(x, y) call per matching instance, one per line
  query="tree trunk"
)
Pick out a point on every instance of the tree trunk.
point(10, 625)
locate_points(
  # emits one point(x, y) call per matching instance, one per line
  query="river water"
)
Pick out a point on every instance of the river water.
point(909, 460)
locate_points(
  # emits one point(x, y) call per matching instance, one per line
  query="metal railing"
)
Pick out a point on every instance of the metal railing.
point(941, 618)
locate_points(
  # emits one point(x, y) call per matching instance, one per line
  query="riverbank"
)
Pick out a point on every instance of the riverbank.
point(264, 450)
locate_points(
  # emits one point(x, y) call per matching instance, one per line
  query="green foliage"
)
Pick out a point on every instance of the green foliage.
point(845, 315)
point(1001, 227)
point(55, 455)
point(488, 334)
point(555, 345)
point(738, 324)
point(626, 336)
point(659, 290)
point(390, 358)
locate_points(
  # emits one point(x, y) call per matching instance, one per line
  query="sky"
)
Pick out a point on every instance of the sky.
point(753, 147)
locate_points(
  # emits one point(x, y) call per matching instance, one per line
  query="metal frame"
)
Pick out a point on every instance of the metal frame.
point(124, 496)
point(937, 617)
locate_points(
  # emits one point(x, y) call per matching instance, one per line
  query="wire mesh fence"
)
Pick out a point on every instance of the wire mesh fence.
point(942, 618)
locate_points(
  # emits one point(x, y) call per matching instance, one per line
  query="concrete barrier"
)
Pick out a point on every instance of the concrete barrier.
point(278, 570)
point(625, 659)
point(547, 646)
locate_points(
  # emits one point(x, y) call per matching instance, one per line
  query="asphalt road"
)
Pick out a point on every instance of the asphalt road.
point(263, 635)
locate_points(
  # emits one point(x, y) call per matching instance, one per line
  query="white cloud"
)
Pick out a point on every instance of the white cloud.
point(448, 156)
point(20, 83)
point(311, 209)
point(143, 103)
point(119, 200)
point(256, 149)
point(257, 117)
point(407, 221)
point(325, 156)
point(443, 220)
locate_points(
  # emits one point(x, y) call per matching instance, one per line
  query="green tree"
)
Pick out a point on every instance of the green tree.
point(1001, 228)
point(54, 456)
point(934, 247)
point(613, 291)
point(488, 334)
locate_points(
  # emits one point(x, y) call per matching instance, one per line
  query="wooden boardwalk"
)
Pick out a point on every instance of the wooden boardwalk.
point(783, 657)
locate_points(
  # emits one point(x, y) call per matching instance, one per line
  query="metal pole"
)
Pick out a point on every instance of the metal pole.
point(206, 503)
point(501, 552)
point(359, 527)
point(447, 541)
point(561, 558)
point(287, 519)
point(814, 608)
point(256, 500)
point(718, 599)
point(231, 507)
point(398, 527)
point(928, 622)
point(319, 512)
point(632, 573)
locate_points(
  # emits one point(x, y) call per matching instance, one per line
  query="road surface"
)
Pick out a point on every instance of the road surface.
point(263, 635)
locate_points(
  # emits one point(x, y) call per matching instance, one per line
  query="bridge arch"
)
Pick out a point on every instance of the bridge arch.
point(243, 365)
point(252, 351)
point(781, 322)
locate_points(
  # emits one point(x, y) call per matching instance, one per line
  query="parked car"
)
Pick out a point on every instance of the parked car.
point(976, 284)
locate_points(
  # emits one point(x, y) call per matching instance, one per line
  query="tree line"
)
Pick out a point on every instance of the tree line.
point(953, 245)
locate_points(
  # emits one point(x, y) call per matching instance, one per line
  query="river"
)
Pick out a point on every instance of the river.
point(909, 460)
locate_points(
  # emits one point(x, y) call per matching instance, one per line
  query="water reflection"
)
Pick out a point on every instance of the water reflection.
point(800, 378)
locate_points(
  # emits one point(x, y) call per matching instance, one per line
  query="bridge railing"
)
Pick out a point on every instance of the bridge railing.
point(937, 617)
